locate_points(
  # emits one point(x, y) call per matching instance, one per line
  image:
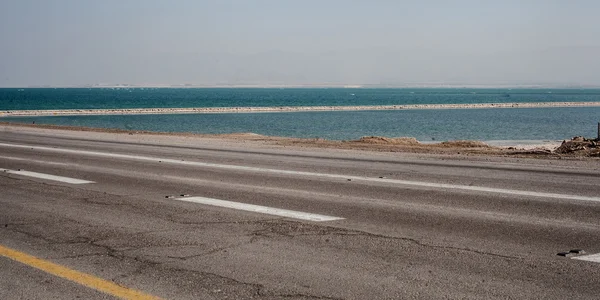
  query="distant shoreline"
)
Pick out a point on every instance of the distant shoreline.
point(201, 110)
point(325, 86)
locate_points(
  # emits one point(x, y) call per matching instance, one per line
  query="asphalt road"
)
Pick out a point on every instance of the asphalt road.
point(403, 226)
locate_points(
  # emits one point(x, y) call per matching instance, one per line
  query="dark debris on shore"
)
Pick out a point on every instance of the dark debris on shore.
point(580, 146)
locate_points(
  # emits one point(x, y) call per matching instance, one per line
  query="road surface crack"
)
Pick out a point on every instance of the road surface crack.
point(292, 229)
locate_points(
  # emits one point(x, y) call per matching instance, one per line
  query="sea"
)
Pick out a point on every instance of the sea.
point(427, 125)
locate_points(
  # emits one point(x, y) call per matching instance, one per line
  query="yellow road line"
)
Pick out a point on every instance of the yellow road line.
point(87, 280)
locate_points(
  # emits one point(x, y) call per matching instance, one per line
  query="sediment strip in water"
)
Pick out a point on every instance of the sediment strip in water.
point(192, 110)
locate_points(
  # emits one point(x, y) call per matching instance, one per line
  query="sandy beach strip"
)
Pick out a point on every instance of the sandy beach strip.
point(198, 110)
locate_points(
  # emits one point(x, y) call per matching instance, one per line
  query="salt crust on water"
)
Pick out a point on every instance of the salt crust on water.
point(288, 108)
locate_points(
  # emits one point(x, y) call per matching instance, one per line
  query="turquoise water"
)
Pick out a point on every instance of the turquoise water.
point(78, 98)
point(425, 125)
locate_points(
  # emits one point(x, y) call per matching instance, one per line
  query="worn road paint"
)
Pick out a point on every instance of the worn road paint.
point(46, 176)
point(33, 161)
point(261, 209)
point(592, 257)
point(312, 174)
point(84, 279)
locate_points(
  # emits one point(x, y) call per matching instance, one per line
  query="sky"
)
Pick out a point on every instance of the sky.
point(299, 42)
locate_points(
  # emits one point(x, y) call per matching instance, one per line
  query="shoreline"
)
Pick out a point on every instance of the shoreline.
point(202, 110)
point(369, 144)
point(501, 144)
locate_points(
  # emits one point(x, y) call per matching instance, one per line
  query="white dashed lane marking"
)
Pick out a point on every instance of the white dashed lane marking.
point(33, 161)
point(261, 209)
point(46, 176)
point(592, 257)
point(313, 174)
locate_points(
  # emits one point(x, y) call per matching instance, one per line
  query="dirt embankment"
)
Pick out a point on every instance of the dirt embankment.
point(576, 147)
point(409, 144)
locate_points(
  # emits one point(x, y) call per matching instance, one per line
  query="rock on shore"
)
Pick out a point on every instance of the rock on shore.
point(580, 145)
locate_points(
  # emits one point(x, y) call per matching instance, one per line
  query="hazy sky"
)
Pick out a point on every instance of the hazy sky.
point(61, 42)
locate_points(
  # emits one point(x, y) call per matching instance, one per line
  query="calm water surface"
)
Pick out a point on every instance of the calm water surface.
point(78, 98)
point(425, 125)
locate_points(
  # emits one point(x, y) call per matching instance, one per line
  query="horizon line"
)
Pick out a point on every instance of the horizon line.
point(348, 86)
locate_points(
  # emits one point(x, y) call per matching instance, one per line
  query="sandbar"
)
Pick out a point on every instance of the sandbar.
point(199, 110)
